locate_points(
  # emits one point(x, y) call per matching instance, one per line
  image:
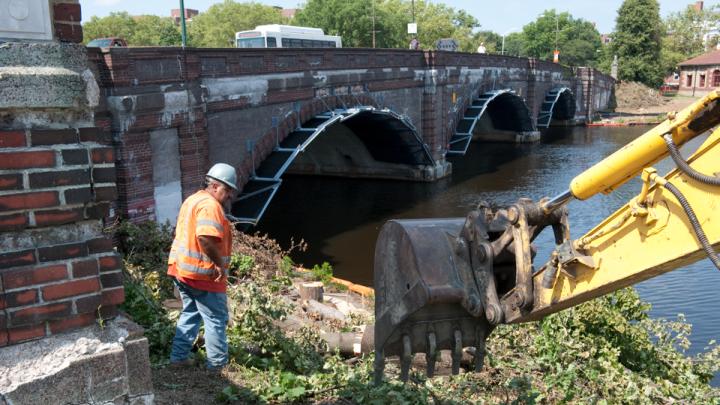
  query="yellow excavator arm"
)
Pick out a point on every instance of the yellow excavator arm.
point(446, 283)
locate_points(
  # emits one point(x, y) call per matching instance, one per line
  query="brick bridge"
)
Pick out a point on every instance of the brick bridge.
point(347, 112)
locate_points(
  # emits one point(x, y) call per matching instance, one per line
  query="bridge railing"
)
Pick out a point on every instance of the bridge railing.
point(135, 66)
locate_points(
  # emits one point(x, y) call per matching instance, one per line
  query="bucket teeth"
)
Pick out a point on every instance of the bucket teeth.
point(456, 352)
point(406, 358)
point(431, 355)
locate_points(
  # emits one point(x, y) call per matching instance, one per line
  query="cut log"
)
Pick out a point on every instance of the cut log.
point(311, 291)
point(325, 312)
point(347, 343)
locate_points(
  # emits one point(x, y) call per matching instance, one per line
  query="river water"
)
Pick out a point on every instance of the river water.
point(340, 218)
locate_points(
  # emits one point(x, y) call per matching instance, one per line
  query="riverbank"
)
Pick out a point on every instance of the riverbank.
point(643, 114)
point(605, 349)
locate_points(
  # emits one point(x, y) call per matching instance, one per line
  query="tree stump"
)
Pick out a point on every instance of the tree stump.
point(311, 291)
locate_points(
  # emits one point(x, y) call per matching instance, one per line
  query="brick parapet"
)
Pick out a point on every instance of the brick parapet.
point(53, 188)
point(66, 17)
point(57, 185)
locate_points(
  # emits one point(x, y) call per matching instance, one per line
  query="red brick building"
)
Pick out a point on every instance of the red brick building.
point(700, 74)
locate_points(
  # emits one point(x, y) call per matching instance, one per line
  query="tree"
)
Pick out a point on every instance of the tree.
point(119, 24)
point(492, 40)
point(636, 42)
point(151, 30)
point(353, 21)
point(686, 35)
point(514, 44)
point(145, 30)
point(577, 40)
point(217, 26)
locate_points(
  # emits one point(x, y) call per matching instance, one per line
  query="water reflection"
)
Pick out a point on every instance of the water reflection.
point(340, 218)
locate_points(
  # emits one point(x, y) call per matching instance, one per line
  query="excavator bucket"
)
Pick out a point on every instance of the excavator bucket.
point(444, 284)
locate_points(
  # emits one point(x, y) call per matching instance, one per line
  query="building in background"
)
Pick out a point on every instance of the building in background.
point(189, 14)
point(289, 13)
point(700, 74)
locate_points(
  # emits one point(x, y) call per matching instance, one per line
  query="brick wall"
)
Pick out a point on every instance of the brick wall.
point(66, 16)
point(58, 270)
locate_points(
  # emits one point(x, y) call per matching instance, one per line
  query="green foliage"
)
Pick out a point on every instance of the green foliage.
point(684, 34)
point(151, 30)
point(145, 30)
point(118, 24)
point(353, 20)
point(637, 41)
point(145, 308)
point(217, 26)
point(256, 341)
point(241, 265)
point(578, 40)
point(514, 44)
point(491, 40)
point(604, 351)
point(323, 272)
point(145, 247)
point(611, 344)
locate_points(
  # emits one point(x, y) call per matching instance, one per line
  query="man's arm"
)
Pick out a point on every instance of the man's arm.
point(211, 246)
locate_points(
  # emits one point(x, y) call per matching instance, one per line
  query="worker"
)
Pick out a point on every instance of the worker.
point(198, 263)
point(414, 44)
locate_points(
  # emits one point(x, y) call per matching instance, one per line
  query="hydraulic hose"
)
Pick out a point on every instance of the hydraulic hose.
point(699, 233)
point(684, 167)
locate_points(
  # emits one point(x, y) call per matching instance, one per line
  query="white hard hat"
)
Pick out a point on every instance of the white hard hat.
point(223, 173)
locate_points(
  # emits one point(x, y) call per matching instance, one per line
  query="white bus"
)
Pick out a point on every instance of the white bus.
point(286, 36)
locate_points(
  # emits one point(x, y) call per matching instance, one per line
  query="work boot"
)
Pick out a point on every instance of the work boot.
point(182, 364)
point(216, 371)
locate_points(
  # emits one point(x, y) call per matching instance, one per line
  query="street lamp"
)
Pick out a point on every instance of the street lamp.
point(502, 51)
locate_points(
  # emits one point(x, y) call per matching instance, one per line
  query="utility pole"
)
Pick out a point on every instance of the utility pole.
point(182, 23)
point(372, 5)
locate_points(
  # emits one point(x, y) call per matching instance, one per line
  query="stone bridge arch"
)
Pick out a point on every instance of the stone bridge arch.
point(493, 116)
point(558, 105)
point(350, 130)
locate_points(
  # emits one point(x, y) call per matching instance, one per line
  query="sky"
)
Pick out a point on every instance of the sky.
point(502, 17)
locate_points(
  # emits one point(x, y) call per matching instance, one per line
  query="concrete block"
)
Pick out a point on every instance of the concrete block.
point(90, 365)
point(138, 367)
point(113, 391)
point(45, 54)
point(65, 386)
point(106, 366)
point(41, 87)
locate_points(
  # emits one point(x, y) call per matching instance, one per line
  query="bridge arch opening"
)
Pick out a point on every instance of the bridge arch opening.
point(557, 107)
point(362, 141)
point(494, 116)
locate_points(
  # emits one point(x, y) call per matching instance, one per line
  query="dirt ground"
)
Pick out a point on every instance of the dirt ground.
point(637, 103)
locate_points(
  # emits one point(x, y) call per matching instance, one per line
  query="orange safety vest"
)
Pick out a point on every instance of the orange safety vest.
point(200, 215)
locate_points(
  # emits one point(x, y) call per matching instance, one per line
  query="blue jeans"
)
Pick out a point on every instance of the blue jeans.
point(211, 308)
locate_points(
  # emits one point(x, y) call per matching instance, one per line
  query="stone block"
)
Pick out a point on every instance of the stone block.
point(138, 366)
point(109, 392)
point(40, 87)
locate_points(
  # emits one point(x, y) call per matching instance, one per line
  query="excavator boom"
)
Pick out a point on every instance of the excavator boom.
point(444, 284)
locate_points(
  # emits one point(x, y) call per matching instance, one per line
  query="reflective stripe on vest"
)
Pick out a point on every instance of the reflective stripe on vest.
point(214, 224)
point(188, 259)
